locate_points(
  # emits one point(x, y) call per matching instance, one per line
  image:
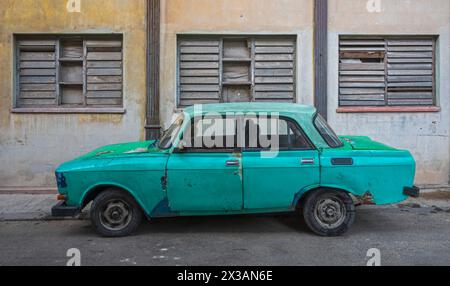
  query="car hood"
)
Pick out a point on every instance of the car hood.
point(102, 156)
point(122, 149)
point(364, 143)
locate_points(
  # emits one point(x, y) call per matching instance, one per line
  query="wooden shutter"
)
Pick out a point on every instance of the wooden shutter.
point(362, 72)
point(274, 66)
point(104, 72)
point(410, 71)
point(36, 73)
point(199, 80)
point(384, 71)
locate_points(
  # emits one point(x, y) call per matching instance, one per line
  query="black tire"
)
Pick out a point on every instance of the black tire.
point(115, 213)
point(328, 212)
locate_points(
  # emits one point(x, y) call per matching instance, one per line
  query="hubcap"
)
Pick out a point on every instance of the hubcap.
point(115, 215)
point(330, 212)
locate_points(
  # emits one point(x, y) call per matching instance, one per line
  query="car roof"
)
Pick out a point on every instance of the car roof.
point(278, 107)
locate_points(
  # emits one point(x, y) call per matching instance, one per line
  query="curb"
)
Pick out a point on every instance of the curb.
point(32, 216)
point(28, 191)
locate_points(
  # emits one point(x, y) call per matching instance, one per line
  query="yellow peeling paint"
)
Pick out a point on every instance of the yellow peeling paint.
point(100, 118)
point(36, 143)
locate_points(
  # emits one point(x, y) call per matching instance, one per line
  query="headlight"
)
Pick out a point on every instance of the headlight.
point(60, 180)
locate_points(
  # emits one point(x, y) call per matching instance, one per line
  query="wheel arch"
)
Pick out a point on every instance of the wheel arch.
point(92, 192)
point(308, 190)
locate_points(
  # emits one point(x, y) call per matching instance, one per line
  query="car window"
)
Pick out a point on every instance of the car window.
point(326, 132)
point(210, 133)
point(275, 134)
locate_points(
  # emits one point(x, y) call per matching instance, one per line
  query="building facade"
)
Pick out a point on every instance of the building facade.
point(80, 74)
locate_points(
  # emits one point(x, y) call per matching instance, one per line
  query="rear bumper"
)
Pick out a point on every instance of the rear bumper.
point(411, 191)
point(62, 210)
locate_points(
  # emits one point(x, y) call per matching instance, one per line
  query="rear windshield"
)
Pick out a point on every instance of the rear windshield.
point(326, 132)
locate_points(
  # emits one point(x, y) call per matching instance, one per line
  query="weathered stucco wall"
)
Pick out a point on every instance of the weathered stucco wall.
point(427, 135)
point(32, 145)
point(253, 17)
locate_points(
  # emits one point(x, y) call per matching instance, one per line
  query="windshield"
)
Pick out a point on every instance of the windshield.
point(326, 132)
point(169, 135)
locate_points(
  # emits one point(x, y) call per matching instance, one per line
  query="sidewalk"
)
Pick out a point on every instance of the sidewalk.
point(38, 207)
point(27, 207)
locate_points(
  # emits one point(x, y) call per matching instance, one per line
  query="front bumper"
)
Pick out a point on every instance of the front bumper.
point(62, 210)
point(411, 191)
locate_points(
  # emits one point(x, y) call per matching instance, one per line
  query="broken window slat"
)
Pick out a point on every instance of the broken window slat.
point(362, 55)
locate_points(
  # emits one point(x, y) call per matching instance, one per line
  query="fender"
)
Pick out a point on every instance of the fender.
point(306, 189)
point(112, 184)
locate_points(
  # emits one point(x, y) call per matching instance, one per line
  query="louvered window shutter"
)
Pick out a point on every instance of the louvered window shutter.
point(391, 71)
point(199, 71)
point(362, 72)
point(36, 71)
point(235, 69)
point(274, 69)
point(69, 71)
point(104, 72)
point(410, 72)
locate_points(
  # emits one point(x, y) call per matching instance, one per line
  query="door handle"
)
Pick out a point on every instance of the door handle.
point(307, 161)
point(231, 163)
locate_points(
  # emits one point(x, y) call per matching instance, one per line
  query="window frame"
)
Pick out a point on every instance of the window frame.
point(178, 125)
point(386, 107)
point(288, 120)
point(321, 135)
point(58, 108)
point(207, 150)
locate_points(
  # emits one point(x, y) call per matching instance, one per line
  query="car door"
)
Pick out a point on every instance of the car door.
point(272, 179)
point(206, 175)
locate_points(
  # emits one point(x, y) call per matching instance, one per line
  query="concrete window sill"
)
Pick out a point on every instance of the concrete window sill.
point(56, 110)
point(363, 109)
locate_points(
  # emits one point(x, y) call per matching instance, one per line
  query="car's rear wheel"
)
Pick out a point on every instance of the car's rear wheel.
point(329, 212)
point(115, 213)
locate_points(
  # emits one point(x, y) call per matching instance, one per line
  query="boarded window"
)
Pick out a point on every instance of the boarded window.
point(381, 71)
point(235, 69)
point(69, 71)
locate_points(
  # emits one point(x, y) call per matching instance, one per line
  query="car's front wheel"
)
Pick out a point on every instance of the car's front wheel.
point(115, 213)
point(329, 212)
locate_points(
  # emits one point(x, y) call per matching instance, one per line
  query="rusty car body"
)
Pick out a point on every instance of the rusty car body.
point(312, 169)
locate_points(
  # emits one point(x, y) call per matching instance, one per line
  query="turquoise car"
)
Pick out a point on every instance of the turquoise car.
point(236, 158)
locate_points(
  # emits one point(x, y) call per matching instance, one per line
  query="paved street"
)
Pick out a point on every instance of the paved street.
point(405, 235)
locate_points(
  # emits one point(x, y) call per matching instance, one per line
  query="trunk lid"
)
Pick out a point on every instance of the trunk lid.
point(364, 143)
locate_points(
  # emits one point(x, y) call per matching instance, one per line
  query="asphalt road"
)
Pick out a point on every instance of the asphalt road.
point(404, 236)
